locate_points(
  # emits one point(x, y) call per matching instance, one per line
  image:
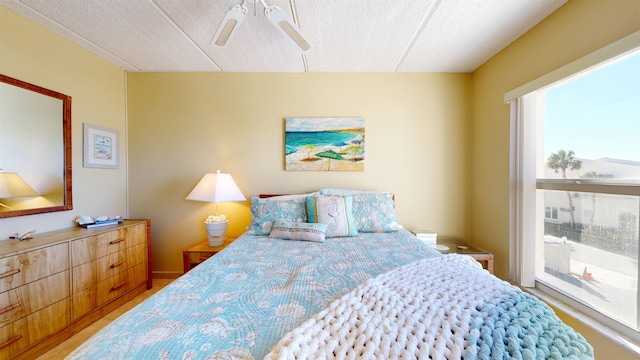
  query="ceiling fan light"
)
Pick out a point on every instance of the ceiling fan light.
point(278, 18)
point(230, 24)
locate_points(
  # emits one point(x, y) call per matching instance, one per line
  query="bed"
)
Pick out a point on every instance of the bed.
point(331, 274)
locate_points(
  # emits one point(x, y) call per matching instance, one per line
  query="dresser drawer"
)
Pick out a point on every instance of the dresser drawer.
point(123, 282)
point(24, 268)
point(88, 274)
point(21, 333)
point(94, 247)
point(137, 254)
point(98, 294)
point(26, 299)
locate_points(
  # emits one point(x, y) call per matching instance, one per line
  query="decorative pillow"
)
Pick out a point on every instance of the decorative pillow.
point(288, 230)
point(335, 211)
point(265, 211)
point(373, 211)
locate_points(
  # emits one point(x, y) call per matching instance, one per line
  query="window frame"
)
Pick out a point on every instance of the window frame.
point(525, 219)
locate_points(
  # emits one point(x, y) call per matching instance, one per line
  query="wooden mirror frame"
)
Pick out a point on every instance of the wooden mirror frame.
point(66, 133)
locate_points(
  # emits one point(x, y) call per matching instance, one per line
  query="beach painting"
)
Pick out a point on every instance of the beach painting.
point(100, 147)
point(324, 144)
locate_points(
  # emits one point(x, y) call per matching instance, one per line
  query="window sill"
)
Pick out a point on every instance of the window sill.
point(602, 329)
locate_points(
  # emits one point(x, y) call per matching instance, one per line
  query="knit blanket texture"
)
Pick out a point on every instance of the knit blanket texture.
point(444, 307)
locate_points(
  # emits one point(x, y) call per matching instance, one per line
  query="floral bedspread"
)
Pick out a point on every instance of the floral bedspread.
point(239, 303)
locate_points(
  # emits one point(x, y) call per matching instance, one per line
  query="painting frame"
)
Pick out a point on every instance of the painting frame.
point(101, 147)
point(324, 144)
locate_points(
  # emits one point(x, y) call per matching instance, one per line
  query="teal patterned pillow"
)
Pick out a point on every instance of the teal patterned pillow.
point(289, 230)
point(264, 212)
point(335, 211)
point(375, 212)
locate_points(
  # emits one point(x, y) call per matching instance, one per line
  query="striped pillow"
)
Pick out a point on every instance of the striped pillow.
point(335, 211)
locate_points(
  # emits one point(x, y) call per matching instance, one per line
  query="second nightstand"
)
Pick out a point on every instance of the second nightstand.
point(200, 252)
point(460, 247)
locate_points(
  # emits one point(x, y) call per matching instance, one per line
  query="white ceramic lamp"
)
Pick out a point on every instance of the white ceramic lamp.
point(216, 187)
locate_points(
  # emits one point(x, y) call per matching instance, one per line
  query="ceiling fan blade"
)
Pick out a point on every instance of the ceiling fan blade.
point(229, 25)
point(286, 26)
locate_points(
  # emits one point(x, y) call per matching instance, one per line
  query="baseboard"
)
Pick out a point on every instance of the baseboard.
point(166, 275)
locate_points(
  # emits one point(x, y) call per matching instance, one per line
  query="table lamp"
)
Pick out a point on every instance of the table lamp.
point(216, 187)
point(12, 186)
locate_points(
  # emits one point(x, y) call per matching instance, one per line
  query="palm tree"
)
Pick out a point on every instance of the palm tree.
point(563, 160)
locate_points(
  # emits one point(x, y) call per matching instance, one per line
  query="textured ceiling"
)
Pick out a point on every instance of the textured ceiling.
point(345, 35)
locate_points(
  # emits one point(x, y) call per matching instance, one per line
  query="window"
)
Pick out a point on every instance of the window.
point(576, 199)
point(551, 213)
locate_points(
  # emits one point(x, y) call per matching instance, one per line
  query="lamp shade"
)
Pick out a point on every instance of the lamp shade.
point(12, 185)
point(216, 187)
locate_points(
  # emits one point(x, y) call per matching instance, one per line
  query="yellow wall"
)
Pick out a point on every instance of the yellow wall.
point(33, 54)
point(576, 29)
point(447, 162)
point(182, 125)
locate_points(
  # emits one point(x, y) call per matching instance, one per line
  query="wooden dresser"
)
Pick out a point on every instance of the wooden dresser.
point(56, 284)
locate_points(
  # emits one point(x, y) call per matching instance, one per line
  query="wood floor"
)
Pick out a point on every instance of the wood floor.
point(65, 348)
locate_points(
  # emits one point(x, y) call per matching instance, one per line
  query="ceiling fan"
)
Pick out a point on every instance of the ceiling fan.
point(232, 20)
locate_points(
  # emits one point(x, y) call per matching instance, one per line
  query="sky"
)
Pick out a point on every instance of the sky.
point(596, 115)
point(321, 124)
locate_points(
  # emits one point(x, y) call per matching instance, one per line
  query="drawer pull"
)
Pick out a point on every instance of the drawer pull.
point(9, 273)
point(9, 308)
point(10, 341)
point(113, 242)
point(116, 287)
point(117, 264)
point(203, 258)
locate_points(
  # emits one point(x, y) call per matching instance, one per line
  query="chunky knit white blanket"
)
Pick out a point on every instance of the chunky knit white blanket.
point(445, 307)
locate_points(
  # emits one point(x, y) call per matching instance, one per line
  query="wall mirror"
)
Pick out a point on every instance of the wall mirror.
point(35, 149)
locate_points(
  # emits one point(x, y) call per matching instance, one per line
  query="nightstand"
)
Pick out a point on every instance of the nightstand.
point(200, 252)
point(458, 246)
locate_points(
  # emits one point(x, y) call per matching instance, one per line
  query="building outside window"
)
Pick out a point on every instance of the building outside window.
point(551, 213)
point(576, 202)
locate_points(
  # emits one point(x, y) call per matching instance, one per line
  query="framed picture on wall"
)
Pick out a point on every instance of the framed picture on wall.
point(100, 147)
point(324, 144)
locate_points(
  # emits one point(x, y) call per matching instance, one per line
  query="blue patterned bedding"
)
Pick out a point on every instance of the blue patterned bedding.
point(239, 303)
point(263, 294)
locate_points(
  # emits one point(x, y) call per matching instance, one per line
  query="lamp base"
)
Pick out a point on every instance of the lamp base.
point(216, 232)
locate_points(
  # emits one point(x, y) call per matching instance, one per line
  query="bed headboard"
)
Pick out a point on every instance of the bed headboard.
point(264, 196)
